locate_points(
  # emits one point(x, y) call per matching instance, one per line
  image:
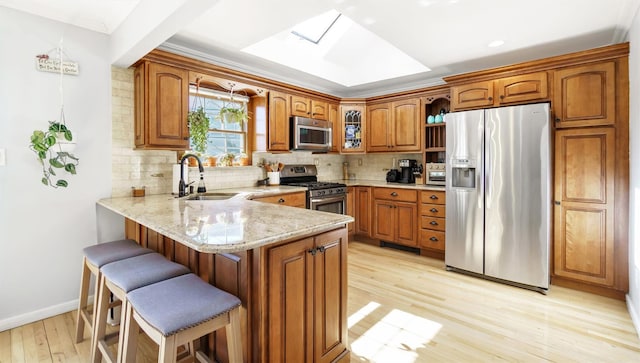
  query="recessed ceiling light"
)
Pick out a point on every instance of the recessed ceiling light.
point(496, 43)
point(425, 3)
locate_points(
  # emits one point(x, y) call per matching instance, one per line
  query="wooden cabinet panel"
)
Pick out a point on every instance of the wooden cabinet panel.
point(432, 220)
point(435, 223)
point(289, 298)
point(431, 239)
point(585, 95)
point(526, 87)
point(379, 126)
point(278, 121)
point(397, 194)
point(352, 129)
point(162, 104)
point(432, 210)
point(395, 214)
point(584, 213)
point(405, 223)
point(319, 110)
point(406, 125)
point(306, 107)
point(298, 199)
point(384, 224)
point(363, 211)
point(433, 196)
point(351, 208)
point(334, 117)
point(472, 95)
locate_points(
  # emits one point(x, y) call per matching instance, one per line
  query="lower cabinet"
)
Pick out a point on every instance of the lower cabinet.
point(306, 299)
point(351, 208)
point(298, 199)
point(395, 215)
point(363, 211)
point(432, 220)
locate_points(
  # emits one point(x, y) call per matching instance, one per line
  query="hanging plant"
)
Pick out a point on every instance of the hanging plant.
point(231, 113)
point(54, 156)
point(198, 129)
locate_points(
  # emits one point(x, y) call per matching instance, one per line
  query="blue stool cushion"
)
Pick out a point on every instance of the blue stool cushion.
point(180, 303)
point(135, 272)
point(104, 253)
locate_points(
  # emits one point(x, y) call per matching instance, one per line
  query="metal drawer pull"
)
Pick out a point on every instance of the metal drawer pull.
point(433, 223)
point(394, 194)
point(280, 200)
point(433, 239)
point(433, 210)
point(433, 196)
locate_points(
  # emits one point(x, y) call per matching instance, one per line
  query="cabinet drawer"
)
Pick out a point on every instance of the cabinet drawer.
point(433, 196)
point(292, 199)
point(404, 195)
point(432, 239)
point(432, 223)
point(433, 210)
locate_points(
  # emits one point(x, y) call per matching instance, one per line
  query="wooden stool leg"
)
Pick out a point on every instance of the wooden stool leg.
point(100, 321)
point(167, 353)
point(234, 337)
point(82, 303)
point(129, 334)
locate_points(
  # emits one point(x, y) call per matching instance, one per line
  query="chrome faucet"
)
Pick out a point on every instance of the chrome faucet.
point(182, 187)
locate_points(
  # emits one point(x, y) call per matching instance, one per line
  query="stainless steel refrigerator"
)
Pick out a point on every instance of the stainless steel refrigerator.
point(498, 194)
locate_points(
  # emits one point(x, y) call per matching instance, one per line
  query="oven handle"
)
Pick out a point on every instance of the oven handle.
point(328, 200)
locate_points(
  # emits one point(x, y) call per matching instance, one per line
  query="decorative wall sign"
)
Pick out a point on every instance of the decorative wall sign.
point(46, 64)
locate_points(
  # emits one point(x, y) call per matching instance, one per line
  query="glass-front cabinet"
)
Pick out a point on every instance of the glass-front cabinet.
point(352, 138)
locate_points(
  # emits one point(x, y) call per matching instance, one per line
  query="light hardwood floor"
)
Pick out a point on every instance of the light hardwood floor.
point(407, 308)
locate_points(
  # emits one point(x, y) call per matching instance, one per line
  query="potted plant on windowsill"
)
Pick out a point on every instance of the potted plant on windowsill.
point(53, 148)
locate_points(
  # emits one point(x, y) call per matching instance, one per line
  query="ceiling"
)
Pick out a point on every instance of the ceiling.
point(447, 36)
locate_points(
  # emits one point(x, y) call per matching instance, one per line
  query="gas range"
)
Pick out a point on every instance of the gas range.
point(326, 196)
point(317, 189)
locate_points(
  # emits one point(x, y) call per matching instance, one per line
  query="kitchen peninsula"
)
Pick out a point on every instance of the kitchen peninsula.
point(287, 265)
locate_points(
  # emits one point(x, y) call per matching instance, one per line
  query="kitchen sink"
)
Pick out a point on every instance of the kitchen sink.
point(212, 196)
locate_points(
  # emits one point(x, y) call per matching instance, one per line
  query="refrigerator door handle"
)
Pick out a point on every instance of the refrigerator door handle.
point(487, 164)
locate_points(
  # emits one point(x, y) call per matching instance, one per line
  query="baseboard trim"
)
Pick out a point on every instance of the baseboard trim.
point(635, 315)
point(30, 317)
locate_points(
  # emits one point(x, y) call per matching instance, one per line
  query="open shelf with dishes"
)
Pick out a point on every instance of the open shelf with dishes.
point(436, 107)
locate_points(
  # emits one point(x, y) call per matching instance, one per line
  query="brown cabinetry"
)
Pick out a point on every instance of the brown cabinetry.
point(334, 117)
point(278, 121)
point(363, 211)
point(585, 95)
point(395, 215)
point(351, 208)
point(297, 199)
point(396, 125)
point(432, 220)
point(584, 205)
point(307, 107)
point(306, 309)
point(516, 89)
point(161, 98)
point(352, 130)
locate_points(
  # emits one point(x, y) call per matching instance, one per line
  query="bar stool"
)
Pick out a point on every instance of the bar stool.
point(94, 258)
point(176, 312)
point(119, 278)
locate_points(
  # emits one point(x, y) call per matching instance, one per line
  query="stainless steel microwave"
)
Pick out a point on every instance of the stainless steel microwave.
point(310, 134)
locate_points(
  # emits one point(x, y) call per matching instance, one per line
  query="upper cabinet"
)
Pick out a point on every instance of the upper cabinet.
point(306, 107)
point(517, 89)
point(585, 95)
point(396, 125)
point(334, 118)
point(161, 98)
point(278, 121)
point(352, 128)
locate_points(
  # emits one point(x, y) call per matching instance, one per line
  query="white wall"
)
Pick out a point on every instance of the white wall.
point(42, 230)
point(633, 298)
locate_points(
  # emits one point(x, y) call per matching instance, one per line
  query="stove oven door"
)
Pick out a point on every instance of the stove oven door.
point(333, 204)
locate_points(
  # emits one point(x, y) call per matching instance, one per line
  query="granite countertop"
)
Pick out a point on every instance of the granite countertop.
point(377, 183)
point(222, 226)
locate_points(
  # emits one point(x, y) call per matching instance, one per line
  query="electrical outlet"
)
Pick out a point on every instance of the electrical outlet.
point(359, 162)
point(3, 157)
point(316, 161)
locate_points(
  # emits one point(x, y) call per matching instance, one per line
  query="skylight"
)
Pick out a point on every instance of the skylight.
point(345, 53)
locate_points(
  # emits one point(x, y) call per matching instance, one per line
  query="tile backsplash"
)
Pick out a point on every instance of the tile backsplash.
point(153, 169)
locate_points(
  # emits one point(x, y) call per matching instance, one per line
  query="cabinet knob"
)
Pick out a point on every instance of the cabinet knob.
point(394, 194)
point(502, 97)
point(557, 202)
point(320, 249)
point(490, 98)
point(433, 196)
point(433, 210)
point(280, 200)
point(433, 239)
point(558, 119)
point(312, 251)
point(433, 223)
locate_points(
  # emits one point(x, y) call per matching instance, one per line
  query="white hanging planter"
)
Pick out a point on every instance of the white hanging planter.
point(64, 145)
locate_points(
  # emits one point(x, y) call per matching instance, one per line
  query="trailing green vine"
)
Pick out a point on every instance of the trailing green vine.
point(47, 146)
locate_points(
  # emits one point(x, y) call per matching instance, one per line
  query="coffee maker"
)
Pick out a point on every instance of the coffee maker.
point(408, 169)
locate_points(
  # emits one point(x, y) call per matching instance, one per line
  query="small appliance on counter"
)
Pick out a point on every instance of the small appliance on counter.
point(392, 175)
point(408, 170)
point(436, 173)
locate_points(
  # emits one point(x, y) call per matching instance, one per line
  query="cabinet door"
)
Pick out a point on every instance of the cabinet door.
point(334, 118)
point(290, 299)
point(379, 127)
point(584, 200)
point(300, 106)
point(351, 208)
point(140, 102)
point(319, 110)
point(472, 95)
point(363, 211)
point(527, 87)
point(330, 320)
point(405, 223)
point(384, 223)
point(352, 129)
point(292, 199)
point(405, 135)
point(278, 121)
point(585, 95)
point(168, 105)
